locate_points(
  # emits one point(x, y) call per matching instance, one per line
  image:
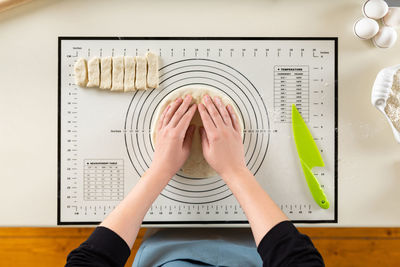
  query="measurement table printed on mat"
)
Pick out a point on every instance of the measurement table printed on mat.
point(103, 180)
point(105, 140)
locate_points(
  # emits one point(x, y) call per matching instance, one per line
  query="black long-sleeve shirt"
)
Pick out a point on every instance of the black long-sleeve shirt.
point(283, 245)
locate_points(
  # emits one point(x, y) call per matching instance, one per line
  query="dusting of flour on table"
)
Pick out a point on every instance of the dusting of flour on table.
point(392, 108)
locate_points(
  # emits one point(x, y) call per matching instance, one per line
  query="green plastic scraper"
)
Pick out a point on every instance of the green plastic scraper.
point(309, 155)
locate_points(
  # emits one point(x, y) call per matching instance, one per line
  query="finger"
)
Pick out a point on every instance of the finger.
point(187, 142)
point(161, 121)
point(212, 110)
point(183, 124)
point(222, 110)
point(171, 111)
point(204, 138)
point(234, 118)
point(205, 117)
point(181, 111)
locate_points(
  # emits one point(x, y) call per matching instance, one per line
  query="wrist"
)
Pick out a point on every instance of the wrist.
point(159, 173)
point(233, 174)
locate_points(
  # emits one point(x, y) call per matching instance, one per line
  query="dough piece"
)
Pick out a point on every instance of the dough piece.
point(152, 70)
point(130, 70)
point(195, 166)
point(117, 74)
point(141, 72)
point(94, 72)
point(80, 70)
point(105, 73)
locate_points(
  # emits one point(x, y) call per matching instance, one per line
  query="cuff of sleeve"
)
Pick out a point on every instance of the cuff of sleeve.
point(108, 242)
point(282, 229)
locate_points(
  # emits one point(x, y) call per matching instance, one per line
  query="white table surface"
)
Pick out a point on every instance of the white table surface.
point(369, 157)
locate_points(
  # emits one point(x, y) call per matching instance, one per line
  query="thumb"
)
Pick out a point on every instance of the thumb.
point(187, 142)
point(204, 139)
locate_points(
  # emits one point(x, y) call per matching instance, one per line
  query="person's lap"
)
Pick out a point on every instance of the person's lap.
point(198, 247)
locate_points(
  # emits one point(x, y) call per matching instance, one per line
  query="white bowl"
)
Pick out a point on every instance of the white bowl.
point(375, 9)
point(380, 93)
point(385, 38)
point(392, 18)
point(366, 28)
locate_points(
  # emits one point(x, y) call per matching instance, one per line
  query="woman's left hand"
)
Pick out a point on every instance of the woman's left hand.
point(174, 136)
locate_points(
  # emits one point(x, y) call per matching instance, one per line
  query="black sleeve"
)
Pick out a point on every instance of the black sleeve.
point(284, 245)
point(102, 248)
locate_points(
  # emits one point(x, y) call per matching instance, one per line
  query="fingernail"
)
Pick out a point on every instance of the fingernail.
point(207, 98)
point(188, 97)
point(178, 100)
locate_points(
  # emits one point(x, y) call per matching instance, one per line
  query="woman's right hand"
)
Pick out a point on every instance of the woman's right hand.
point(221, 137)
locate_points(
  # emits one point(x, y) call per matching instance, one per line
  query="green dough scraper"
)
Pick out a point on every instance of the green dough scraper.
point(309, 155)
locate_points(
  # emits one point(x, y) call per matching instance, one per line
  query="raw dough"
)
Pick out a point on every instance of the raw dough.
point(195, 166)
point(105, 73)
point(94, 72)
point(80, 70)
point(130, 70)
point(117, 74)
point(152, 70)
point(141, 72)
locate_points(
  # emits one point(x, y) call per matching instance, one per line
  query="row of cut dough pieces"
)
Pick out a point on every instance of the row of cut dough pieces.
point(118, 73)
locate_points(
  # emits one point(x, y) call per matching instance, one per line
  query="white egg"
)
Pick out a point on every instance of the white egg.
point(366, 28)
point(392, 18)
point(375, 9)
point(385, 38)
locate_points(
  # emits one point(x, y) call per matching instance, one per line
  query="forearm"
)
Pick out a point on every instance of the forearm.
point(126, 218)
point(263, 214)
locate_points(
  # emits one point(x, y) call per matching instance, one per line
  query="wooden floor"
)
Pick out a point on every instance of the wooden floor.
point(338, 246)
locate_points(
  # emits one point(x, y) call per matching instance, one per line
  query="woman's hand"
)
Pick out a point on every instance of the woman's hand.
point(221, 137)
point(173, 141)
point(174, 136)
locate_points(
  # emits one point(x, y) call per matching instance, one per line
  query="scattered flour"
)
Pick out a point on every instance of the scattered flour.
point(392, 108)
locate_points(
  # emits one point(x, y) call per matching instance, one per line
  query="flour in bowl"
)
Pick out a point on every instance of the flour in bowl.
point(392, 108)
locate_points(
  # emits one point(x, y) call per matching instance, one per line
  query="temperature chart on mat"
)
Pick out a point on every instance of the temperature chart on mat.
point(105, 139)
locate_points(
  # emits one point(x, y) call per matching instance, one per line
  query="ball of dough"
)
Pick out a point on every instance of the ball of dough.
point(366, 28)
point(385, 38)
point(195, 166)
point(375, 9)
